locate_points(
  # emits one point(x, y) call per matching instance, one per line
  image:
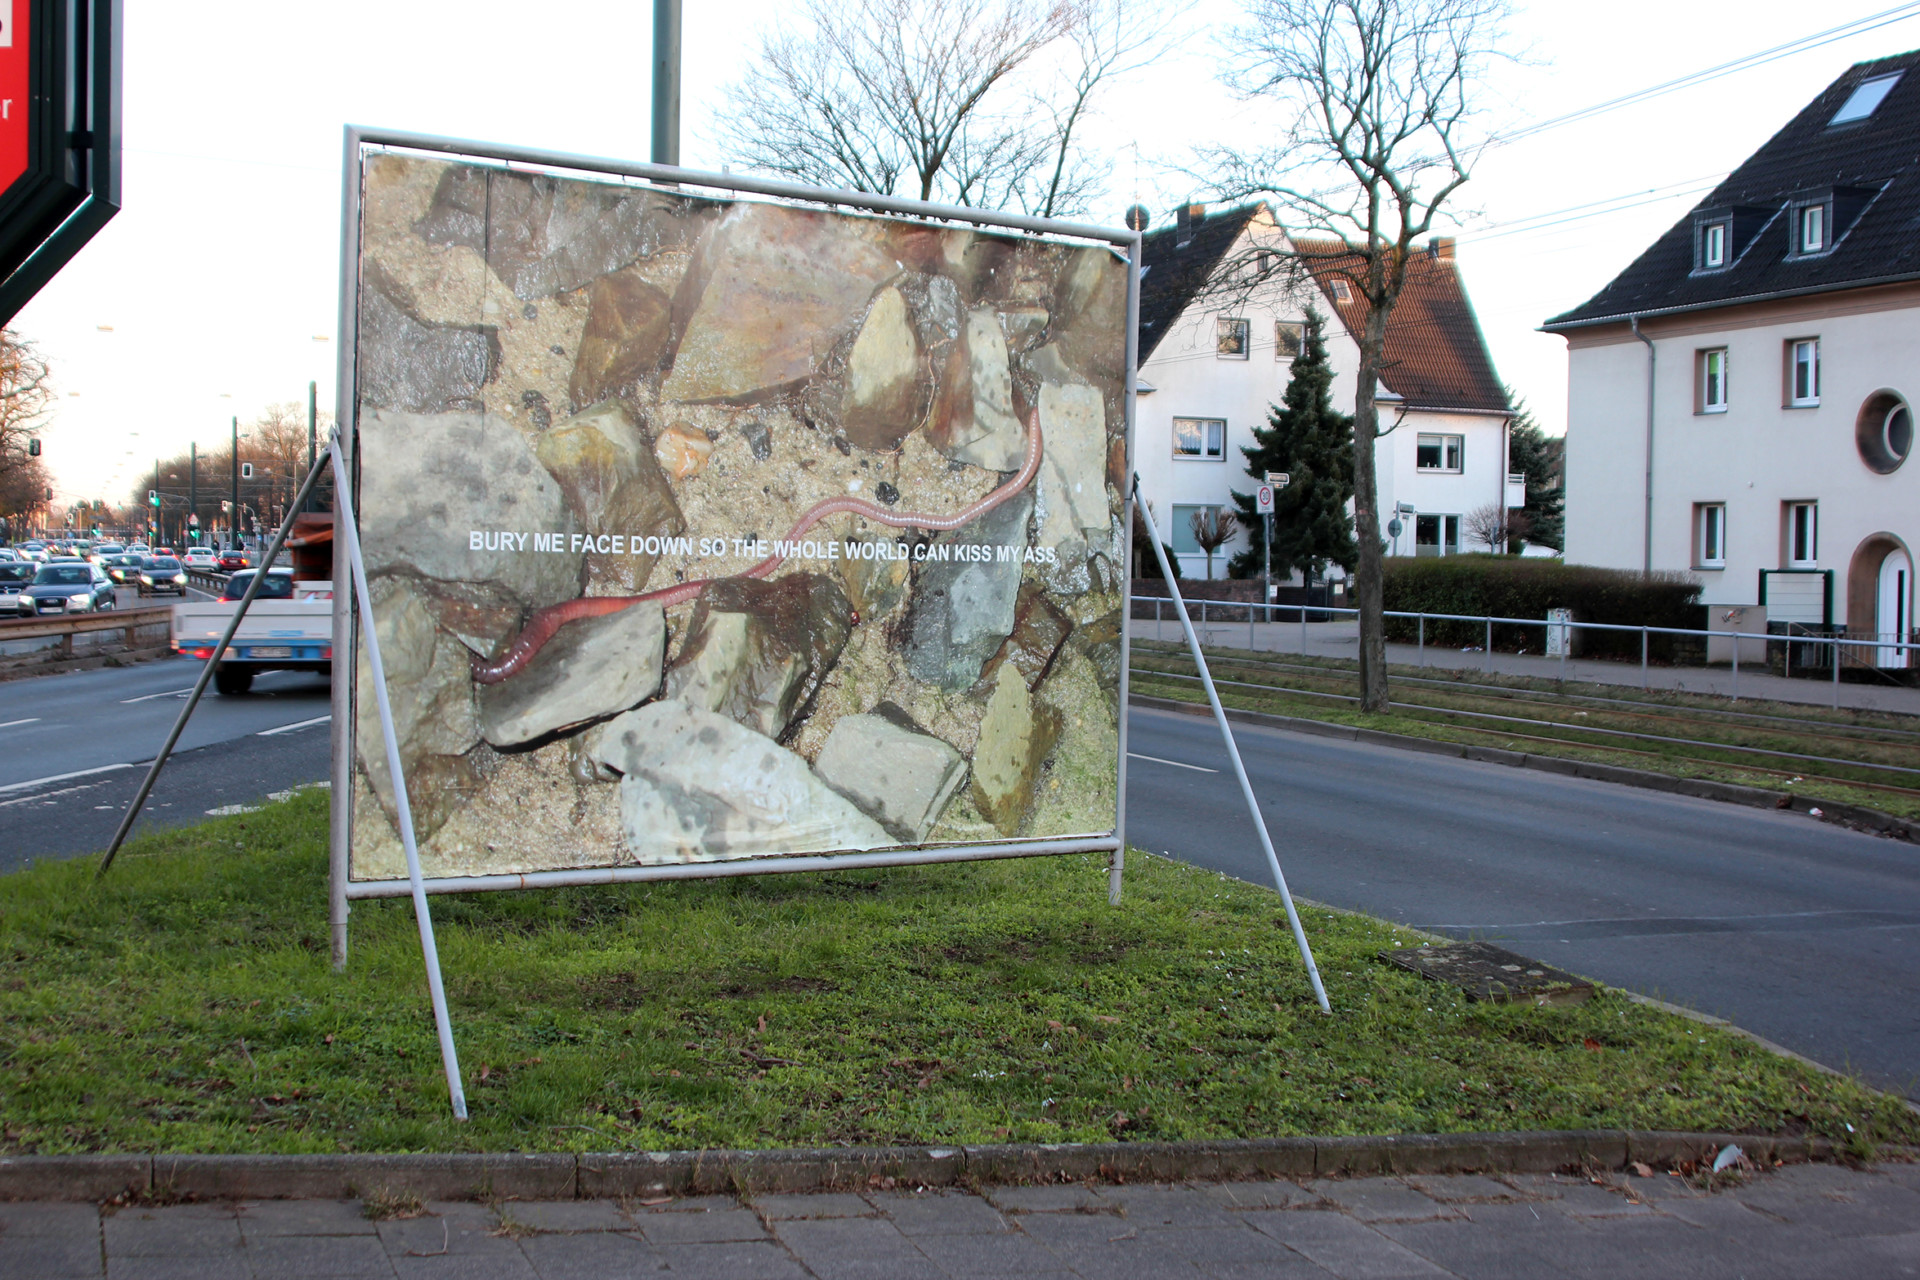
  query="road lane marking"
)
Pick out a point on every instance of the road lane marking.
point(62, 777)
point(1197, 768)
point(8, 724)
point(148, 697)
point(289, 728)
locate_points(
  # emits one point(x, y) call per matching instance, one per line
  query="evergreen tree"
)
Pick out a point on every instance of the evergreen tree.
point(1312, 442)
point(1535, 454)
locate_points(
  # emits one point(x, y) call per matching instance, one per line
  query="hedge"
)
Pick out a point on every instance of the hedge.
point(1512, 587)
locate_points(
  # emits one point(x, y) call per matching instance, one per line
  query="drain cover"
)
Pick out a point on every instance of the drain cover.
point(1487, 972)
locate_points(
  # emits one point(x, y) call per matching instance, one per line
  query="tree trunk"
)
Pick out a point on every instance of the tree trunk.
point(1366, 522)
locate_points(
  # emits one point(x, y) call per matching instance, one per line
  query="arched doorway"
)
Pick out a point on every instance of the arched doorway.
point(1880, 598)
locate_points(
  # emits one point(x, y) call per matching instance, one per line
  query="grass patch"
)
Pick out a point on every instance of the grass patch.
point(1851, 740)
point(187, 1004)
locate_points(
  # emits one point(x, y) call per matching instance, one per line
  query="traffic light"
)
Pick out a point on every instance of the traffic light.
point(246, 471)
point(153, 497)
point(33, 446)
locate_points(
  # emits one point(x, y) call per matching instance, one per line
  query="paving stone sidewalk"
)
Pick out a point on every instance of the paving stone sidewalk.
point(1802, 1221)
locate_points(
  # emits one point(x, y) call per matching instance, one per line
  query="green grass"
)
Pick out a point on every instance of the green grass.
point(187, 1004)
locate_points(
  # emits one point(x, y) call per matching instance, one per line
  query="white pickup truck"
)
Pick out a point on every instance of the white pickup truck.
point(288, 627)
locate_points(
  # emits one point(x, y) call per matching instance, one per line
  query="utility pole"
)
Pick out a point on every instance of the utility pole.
point(159, 535)
point(313, 432)
point(193, 486)
point(233, 520)
point(666, 81)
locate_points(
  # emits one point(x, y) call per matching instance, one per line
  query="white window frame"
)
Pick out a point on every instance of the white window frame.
point(1711, 370)
point(1449, 446)
point(1803, 354)
point(1206, 437)
point(1444, 525)
point(1342, 291)
point(1713, 245)
point(1242, 329)
point(1811, 233)
point(1803, 535)
point(1710, 535)
point(1283, 329)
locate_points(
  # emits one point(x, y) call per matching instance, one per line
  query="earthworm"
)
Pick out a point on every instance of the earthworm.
point(542, 625)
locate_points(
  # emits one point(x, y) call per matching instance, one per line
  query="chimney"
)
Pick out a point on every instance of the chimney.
point(1440, 247)
point(1183, 225)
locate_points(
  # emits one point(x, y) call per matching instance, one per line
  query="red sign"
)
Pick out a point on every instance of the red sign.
point(15, 61)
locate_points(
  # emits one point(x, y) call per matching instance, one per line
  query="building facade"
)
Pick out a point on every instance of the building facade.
point(1215, 357)
point(1740, 397)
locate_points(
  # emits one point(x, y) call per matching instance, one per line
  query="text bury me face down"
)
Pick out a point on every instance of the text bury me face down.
point(537, 542)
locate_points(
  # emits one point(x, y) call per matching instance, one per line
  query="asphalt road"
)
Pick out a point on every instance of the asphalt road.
point(73, 749)
point(1797, 930)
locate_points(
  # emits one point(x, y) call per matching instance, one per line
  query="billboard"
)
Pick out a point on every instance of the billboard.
point(704, 529)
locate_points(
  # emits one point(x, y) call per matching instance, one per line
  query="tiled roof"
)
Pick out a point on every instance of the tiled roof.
point(1868, 164)
point(1436, 356)
point(1172, 274)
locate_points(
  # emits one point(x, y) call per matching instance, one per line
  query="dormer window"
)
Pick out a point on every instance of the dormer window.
point(1342, 291)
point(1713, 245)
point(1865, 99)
point(1813, 229)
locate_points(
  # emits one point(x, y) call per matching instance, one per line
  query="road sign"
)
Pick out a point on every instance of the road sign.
point(1263, 499)
point(1279, 479)
point(59, 136)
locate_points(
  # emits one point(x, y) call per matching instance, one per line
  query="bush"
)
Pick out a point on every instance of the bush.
point(1511, 587)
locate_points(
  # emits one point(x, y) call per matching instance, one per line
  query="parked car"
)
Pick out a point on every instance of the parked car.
point(232, 559)
point(125, 569)
point(15, 577)
point(163, 575)
point(71, 586)
point(202, 558)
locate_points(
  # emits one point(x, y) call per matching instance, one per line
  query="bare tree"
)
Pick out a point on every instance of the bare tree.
point(1376, 99)
point(974, 102)
point(24, 400)
point(1213, 528)
point(1489, 525)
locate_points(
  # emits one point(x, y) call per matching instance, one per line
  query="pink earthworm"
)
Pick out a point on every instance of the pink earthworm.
point(545, 622)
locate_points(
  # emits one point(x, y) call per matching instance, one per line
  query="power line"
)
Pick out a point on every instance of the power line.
point(1859, 26)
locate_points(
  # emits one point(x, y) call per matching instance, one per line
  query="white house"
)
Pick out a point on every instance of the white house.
point(1214, 360)
point(1740, 397)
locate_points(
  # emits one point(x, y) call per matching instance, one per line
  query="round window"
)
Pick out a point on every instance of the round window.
point(1883, 431)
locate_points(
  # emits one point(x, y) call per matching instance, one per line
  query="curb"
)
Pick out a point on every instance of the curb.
point(1731, 793)
point(511, 1176)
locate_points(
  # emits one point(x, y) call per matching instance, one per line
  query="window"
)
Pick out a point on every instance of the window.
point(1803, 373)
point(1231, 338)
point(1710, 535)
point(1200, 438)
point(1866, 96)
point(1289, 339)
point(1883, 431)
point(1342, 291)
point(1439, 453)
point(1803, 534)
point(1436, 535)
point(1711, 379)
point(1180, 537)
point(1713, 245)
point(1813, 229)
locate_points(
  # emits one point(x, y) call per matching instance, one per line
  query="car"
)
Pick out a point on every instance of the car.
point(34, 550)
point(232, 559)
point(101, 552)
point(278, 586)
point(125, 569)
point(15, 577)
point(202, 558)
point(163, 575)
point(8, 553)
point(69, 586)
point(161, 551)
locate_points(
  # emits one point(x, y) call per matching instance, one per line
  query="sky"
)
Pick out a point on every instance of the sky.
point(215, 291)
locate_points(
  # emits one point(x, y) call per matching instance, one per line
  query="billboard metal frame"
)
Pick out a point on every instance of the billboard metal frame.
point(342, 890)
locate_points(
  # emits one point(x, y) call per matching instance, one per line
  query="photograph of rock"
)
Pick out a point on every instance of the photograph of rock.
point(705, 528)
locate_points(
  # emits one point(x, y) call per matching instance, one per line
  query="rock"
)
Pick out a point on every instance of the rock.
point(759, 440)
point(544, 235)
point(1090, 314)
point(769, 290)
point(539, 412)
point(1072, 482)
point(963, 609)
point(592, 668)
point(1099, 642)
point(697, 787)
point(1016, 733)
point(683, 450)
point(756, 651)
point(477, 614)
point(432, 484)
point(1039, 630)
point(613, 483)
point(406, 363)
point(886, 382)
point(628, 322)
point(900, 778)
point(973, 420)
point(430, 692)
point(873, 579)
point(887, 492)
